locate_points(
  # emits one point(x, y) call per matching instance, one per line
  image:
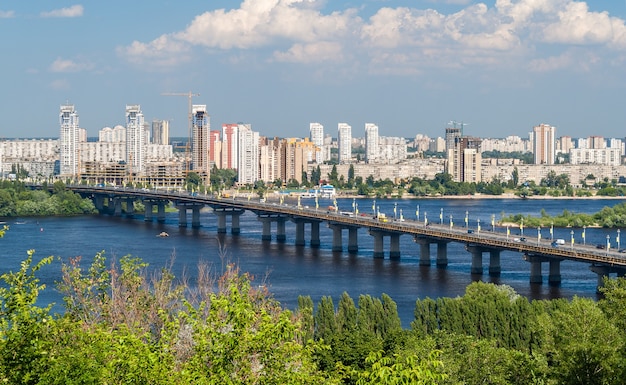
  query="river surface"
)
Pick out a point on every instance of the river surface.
point(289, 271)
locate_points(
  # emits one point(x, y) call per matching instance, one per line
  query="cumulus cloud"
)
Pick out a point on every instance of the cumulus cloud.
point(298, 31)
point(73, 11)
point(66, 65)
point(7, 14)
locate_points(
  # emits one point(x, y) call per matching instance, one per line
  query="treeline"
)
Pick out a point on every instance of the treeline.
point(608, 217)
point(123, 324)
point(17, 200)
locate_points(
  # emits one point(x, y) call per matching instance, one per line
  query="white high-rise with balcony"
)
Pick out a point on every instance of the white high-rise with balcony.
point(344, 143)
point(317, 137)
point(68, 141)
point(135, 139)
point(248, 163)
point(371, 143)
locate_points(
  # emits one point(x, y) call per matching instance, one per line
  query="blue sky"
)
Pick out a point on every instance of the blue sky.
point(499, 66)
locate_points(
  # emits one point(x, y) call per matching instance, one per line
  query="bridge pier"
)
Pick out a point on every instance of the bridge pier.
point(235, 227)
point(117, 204)
point(315, 234)
point(182, 217)
point(378, 244)
point(160, 211)
point(337, 242)
point(299, 233)
point(280, 230)
point(195, 214)
point(266, 235)
point(494, 263)
point(424, 244)
point(554, 277)
point(394, 246)
point(602, 272)
point(98, 202)
point(130, 207)
point(442, 254)
point(147, 211)
point(353, 242)
point(477, 260)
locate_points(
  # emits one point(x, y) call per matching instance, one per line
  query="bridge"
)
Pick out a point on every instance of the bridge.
point(536, 251)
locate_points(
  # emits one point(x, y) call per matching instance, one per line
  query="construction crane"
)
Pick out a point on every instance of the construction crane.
point(189, 96)
point(454, 124)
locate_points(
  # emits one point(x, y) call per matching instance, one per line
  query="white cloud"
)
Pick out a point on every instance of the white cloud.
point(7, 14)
point(66, 65)
point(60, 84)
point(298, 31)
point(73, 11)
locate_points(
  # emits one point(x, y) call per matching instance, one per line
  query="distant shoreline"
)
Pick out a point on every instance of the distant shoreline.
point(486, 196)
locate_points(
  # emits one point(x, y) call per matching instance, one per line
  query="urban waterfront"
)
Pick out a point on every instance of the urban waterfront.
point(289, 271)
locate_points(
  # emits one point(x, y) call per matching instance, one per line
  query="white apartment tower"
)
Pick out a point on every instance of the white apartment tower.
point(248, 162)
point(135, 139)
point(317, 137)
point(371, 142)
point(344, 142)
point(201, 127)
point(68, 141)
point(544, 144)
point(160, 132)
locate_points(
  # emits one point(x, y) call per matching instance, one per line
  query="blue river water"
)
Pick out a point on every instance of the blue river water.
point(289, 271)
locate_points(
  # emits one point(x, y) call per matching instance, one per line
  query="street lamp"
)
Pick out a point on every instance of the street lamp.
point(425, 219)
point(493, 223)
point(417, 213)
point(508, 232)
point(395, 209)
point(441, 216)
point(572, 240)
point(521, 228)
point(608, 243)
point(466, 219)
point(538, 234)
point(584, 231)
point(551, 230)
point(617, 239)
point(478, 226)
point(450, 221)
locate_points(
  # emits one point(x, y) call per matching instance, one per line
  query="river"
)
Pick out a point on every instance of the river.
point(289, 271)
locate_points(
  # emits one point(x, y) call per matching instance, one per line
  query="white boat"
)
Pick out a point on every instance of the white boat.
point(163, 234)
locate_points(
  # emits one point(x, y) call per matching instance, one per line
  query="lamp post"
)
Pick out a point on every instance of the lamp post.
point(508, 231)
point(538, 234)
point(572, 239)
point(584, 231)
point(466, 218)
point(441, 216)
point(608, 243)
point(521, 228)
point(617, 239)
point(478, 226)
point(425, 219)
point(417, 213)
point(450, 221)
point(395, 210)
point(551, 230)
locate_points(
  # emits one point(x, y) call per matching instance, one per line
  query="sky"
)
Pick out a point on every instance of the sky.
point(499, 67)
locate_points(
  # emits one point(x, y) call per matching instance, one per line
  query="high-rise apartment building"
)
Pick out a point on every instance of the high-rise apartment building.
point(544, 144)
point(215, 148)
point(316, 133)
point(464, 160)
point(371, 142)
point(68, 141)
point(452, 134)
point(200, 129)
point(248, 155)
point(160, 132)
point(344, 143)
point(135, 139)
point(230, 135)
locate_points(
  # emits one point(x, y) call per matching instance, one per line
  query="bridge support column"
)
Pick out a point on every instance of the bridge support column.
point(315, 235)
point(378, 244)
point(442, 254)
point(394, 246)
point(337, 242)
point(494, 263)
point(221, 222)
point(477, 260)
point(148, 211)
point(235, 228)
point(160, 212)
point(130, 207)
point(267, 229)
point(535, 270)
point(182, 216)
point(118, 207)
point(299, 233)
point(353, 242)
point(98, 202)
point(424, 251)
point(602, 272)
point(280, 230)
point(555, 271)
point(195, 216)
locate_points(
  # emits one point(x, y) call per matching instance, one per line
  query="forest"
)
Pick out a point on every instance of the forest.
point(125, 323)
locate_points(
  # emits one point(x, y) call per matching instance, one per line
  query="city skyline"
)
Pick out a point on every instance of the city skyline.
point(410, 67)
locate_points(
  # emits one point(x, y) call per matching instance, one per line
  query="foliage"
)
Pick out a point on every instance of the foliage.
point(16, 200)
point(607, 217)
